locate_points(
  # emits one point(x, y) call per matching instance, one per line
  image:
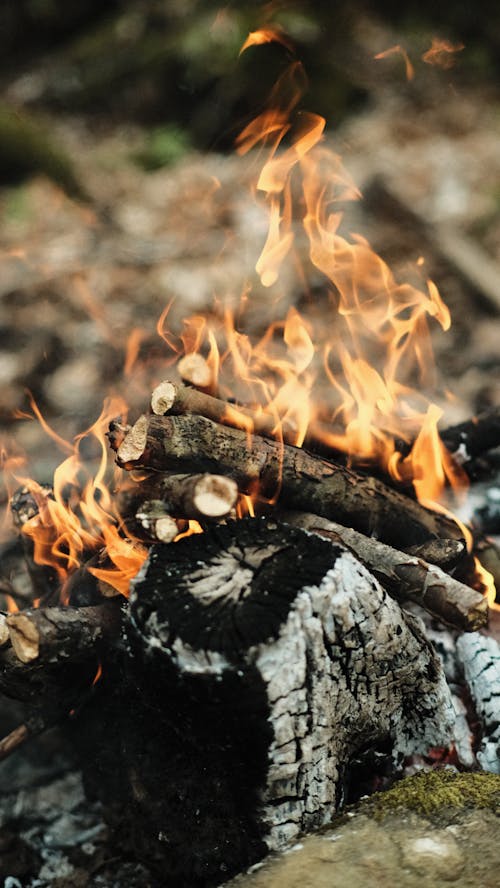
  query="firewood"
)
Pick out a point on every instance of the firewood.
point(154, 518)
point(55, 634)
point(405, 576)
point(194, 370)
point(117, 432)
point(280, 658)
point(13, 740)
point(26, 506)
point(177, 399)
point(472, 438)
point(34, 724)
point(297, 479)
point(202, 496)
point(443, 553)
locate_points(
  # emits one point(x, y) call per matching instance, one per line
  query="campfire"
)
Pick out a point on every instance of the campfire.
point(272, 583)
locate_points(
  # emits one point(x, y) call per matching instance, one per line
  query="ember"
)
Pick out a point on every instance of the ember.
point(251, 600)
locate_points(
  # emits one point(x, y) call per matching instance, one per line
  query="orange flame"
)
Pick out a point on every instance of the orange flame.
point(398, 50)
point(441, 53)
point(79, 518)
point(266, 35)
point(357, 383)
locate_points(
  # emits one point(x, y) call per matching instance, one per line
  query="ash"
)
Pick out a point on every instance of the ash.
point(50, 834)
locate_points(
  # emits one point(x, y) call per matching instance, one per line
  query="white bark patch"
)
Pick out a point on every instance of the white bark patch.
point(340, 675)
point(480, 660)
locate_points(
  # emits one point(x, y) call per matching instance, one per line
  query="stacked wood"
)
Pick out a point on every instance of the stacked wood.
point(406, 576)
point(290, 474)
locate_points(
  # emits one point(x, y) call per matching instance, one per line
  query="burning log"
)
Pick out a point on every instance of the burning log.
point(59, 634)
point(302, 481)
point(25, 507)
point(202, 496)
point(171, 397)
point(280, 658)
point(472, 438)
point(405, 576)
point(156, 521)
point(194, 370)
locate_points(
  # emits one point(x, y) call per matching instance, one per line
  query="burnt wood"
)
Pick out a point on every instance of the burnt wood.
point(260, 660)
point(291, 475)
point(406, 576)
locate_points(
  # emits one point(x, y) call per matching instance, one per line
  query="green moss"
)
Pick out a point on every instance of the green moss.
point(428, 793)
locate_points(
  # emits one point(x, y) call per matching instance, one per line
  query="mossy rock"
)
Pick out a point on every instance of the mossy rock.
point(428, 793)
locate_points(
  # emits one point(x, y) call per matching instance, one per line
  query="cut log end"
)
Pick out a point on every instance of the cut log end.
point(194, 370)
point(117, 433)
point(132, 447)
point(163, 398)
point(215, 496)
point(24, 637)
point(4, 630)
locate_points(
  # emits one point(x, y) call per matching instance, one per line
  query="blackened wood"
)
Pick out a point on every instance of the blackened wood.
point(13, 740)
point(290, 474)
point(446, 554)
point(26, 506)
point(58, 634)
point(405, 576)
point(479, 659)
point(472, 438)
point(4, 630)
point(116, 432)
point(270, 658)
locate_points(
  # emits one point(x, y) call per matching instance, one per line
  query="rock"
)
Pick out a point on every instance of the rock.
point(428, 829)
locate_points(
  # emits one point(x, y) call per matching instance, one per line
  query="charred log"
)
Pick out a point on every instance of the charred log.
point(301, 481)
point(479, 658)
point(446, 554)
point(405, 576)
point(472, 438)
point(25, 507)
point(61, 634)
point(273, 659)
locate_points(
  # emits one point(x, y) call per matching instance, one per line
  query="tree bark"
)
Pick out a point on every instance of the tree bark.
point(404, 576)
point(285, 473)
point(176, 399)
point(58, 634)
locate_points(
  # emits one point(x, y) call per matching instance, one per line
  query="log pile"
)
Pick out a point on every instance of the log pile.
point(256, 659)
